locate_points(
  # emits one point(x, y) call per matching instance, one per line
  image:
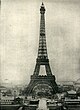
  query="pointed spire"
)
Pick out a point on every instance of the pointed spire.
point(42, 3)
point(42, 9)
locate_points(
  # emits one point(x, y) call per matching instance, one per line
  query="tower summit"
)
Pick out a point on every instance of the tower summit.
point(42, 59)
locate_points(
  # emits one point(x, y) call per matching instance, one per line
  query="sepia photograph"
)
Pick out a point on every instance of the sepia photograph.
point(40, 55)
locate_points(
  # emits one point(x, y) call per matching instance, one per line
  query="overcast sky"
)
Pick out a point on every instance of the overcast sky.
point(20, 35)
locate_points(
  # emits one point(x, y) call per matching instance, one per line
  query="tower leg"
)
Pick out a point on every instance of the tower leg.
point(48, 69)
point(37, 69)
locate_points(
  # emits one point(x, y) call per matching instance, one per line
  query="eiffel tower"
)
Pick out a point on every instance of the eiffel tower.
point(42, 59)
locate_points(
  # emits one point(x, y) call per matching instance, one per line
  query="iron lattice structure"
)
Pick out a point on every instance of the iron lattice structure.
point(42, 59)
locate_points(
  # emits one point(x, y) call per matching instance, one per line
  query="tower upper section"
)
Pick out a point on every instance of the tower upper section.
point(42, 9)
point(42, 50)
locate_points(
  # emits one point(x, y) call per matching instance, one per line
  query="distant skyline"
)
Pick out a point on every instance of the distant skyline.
point(20, 23)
